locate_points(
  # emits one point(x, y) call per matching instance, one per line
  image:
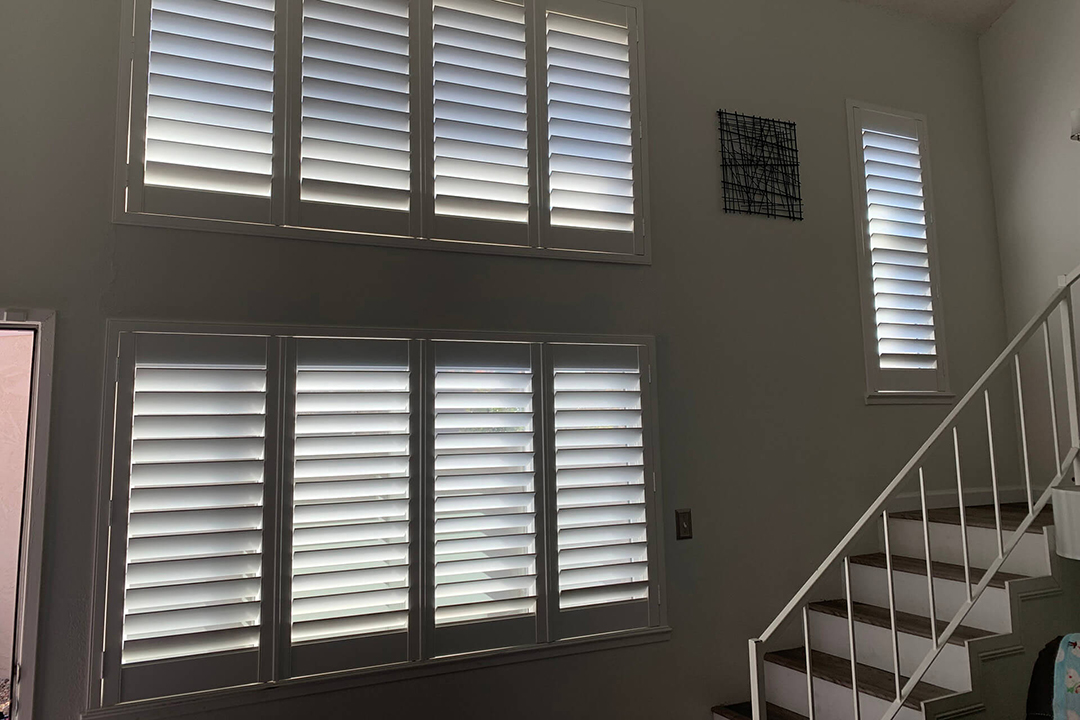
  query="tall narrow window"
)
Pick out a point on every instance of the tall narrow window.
point(351, 493)
point(355, 148)
point(210, 107)
point(481, 153)
point(904, 347)
point(194, 563)
point(603, 569)
point(484, 494)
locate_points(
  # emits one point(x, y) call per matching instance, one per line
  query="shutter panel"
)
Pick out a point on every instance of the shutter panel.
point(480, 168)
point(210, 108)
point(352, 478)
point(484, 496)
point(601, 497)
point(355, 148)
point(194, 567)
point(592, 127)
point(899, 249)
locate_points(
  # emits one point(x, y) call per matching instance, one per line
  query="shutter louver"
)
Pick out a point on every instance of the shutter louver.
point(351, 492)
point(481, 153)
point(600, 480)
point(355, 138)
point(209, 114)
point(194, 549)
point(590, 125)
point(899, 248)
point(484, 488)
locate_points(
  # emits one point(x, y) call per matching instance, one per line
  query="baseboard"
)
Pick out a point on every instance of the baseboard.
point(947, 498)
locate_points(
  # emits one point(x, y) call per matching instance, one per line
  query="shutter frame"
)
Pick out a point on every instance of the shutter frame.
point(357, 217)
point(476, 229)
point(578, 621)
point(594, 240)
point(329, 654)
point(210, 670)
point(895, 384)
point(186, 202)
point(454, 637)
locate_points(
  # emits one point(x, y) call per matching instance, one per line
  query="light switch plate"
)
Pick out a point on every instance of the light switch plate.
point(684, 525)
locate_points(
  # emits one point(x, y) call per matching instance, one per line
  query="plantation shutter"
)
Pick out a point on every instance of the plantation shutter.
point(484, 508)
point(356, 155)
point(194, 506)
point(352, 494)
point(592, 128)
point(899, 247)
point(208, 78)
point(603, 499)
point(481, 177)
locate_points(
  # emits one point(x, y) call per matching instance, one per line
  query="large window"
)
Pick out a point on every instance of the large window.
point(499, 123)
point(905, 353)
point(287, 506)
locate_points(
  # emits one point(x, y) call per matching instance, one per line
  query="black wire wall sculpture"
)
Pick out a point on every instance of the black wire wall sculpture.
point(760, 160)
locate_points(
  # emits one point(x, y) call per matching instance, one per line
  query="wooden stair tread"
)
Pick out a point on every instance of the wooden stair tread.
point(982, 516)
point(872, 681)
point(743, 711)
point(905, 622)
point(944, 571)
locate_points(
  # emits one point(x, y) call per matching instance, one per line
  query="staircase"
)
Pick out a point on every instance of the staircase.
point(944, 620)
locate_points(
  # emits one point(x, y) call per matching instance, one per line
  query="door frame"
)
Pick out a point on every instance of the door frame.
point(28, 590)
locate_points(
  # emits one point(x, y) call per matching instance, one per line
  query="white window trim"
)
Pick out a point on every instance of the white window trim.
point(283, 687)
point(875, 393)
point(28, 599)
point(284, 210)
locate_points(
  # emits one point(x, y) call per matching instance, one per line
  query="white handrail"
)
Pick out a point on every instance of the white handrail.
point(1061, 299)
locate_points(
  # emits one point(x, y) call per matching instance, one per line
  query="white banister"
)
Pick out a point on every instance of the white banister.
point(1066, 467)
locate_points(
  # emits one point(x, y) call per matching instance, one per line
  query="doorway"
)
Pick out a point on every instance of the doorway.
point(26, 339)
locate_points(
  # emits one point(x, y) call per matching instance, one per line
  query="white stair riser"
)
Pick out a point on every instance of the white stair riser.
point(829, 634)
point(991, 612)
point(1031, 556)
point(787, 688)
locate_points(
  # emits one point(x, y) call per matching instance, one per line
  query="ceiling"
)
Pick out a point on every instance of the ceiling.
point(976, 14)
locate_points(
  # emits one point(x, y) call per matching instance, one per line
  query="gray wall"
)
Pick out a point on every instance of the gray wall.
point(764, 430)
point(1030, 59)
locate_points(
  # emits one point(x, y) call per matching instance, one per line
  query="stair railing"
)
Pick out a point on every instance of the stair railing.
point(1068, 465)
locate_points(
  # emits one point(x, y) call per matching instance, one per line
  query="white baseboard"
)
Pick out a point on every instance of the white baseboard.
point(946, 498)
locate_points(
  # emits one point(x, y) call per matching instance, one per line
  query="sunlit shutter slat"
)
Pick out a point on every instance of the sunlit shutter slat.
point(600, 481)
point(210, 105)
point(194, 541)
point(484, 486)
point(481, 132)
point(351, 492)
point(355, 140)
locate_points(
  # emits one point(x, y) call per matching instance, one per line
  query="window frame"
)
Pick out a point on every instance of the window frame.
point(274, 661)
point(881, 387)
point(284, 210)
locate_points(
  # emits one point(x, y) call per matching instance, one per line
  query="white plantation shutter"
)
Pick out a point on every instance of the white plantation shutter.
point(602, 499)
point(480, 167)
point(194, 571)
point(355, 148)
point(210, 108)
point(891, 152)
point(592, 127)
point(484, 499)
point(351, 495)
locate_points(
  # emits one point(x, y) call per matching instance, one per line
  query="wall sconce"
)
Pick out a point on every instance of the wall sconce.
point(1076, 124)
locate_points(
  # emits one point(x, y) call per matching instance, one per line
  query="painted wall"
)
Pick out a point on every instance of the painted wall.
point(764, 434)
point(16, 358)
point(1030, 59)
